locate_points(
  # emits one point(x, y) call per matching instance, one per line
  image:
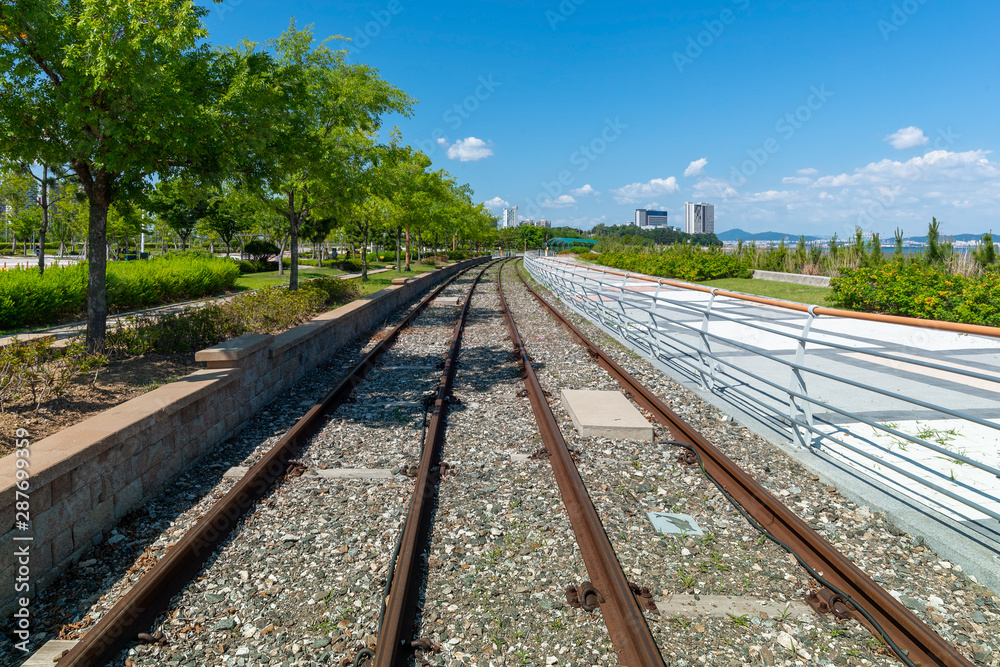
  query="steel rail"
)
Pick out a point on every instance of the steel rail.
point(396, 633)
point(923, 645)
point(139, 608)
point(956, 327)
point(626, 624)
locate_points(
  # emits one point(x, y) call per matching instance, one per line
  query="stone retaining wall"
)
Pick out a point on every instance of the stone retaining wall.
point(796, 278)
point(85, 478)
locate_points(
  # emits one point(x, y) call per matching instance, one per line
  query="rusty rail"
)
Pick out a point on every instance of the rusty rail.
point(396, 633)
point(138, 609)
point(954, 327)
point(922, 645)
point(626, 624)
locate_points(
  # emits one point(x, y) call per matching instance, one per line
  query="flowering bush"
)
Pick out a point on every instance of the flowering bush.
point(915, 290)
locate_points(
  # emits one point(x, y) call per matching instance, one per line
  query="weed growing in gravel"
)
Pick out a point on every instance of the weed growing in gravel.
point(743, 620)
point(683, 623)
point(686, 580)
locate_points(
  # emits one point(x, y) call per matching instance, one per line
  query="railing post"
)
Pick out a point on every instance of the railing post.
point(705, 370)
point(798, 384)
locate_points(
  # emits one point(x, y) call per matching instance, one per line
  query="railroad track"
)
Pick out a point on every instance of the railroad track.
point(847, 592)
point(406, 628)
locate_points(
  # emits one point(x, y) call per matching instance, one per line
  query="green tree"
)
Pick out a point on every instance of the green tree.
point(17, 194)
point(181, 204)
point(337, 106)
point(985, 253)
point(227, 215)
point(118, 90)
point(935, 253)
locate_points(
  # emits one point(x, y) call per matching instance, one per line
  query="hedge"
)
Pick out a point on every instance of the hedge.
point(682, 263)
point(26, 298)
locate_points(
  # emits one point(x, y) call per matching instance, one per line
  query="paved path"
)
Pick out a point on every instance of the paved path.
point(752, 397)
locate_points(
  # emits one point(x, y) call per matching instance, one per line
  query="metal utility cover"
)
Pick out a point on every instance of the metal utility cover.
point(674, 524)
point(605, 414)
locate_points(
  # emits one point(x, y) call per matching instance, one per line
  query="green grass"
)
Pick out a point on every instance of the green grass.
point(375, 282)
point(775, 290)
point(271, 278)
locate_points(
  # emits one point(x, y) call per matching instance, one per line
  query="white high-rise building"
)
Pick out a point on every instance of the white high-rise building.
point(699, 218)
point(509, 218)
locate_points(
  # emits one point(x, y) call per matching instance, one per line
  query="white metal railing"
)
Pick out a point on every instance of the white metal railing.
point(654, 321)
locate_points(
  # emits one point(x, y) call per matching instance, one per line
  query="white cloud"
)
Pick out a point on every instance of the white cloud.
point(496, 202)
point(584, 191)
point(714, 187)
point(962, 188)
point(696, 167)
point(808, 171)
point(907, 137)
point(966, 166)
point(561, 201)
point(633, 192)
point(469, 149)
point(797, 180)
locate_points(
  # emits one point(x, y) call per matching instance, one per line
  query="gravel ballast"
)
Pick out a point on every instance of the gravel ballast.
point(301, 580)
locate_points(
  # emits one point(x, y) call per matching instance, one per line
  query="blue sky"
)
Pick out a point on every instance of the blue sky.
point(793, 116)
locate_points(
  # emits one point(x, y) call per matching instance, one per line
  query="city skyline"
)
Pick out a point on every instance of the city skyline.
point(785, 115)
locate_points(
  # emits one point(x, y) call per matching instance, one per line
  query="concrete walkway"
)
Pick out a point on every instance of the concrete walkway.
point(953, 529)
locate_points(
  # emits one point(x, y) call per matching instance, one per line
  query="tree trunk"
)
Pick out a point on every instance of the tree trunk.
point(419, 247)
point(407, 268)
point(99, 194)
point(399, 247)
point(281, 256)
point(44, 200)
point(293, 246)
point(453, 238)
point(319, 256)
point(364, 255)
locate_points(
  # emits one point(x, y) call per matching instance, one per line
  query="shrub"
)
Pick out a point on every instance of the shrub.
point(457, 255)
point(681, 262)
point(254, 266)
point(269, 310)
point(260, 250)
point(41, 370)
point(61, 293)
point(580, 249)
point(915, 290)
point(350, 265)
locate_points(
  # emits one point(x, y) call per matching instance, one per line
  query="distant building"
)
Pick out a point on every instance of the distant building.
point(699, 218)
point(536, 223)
point(509, 218)
point(647, 219)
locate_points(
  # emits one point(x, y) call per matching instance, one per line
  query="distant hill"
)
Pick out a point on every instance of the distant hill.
point(737, 234)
